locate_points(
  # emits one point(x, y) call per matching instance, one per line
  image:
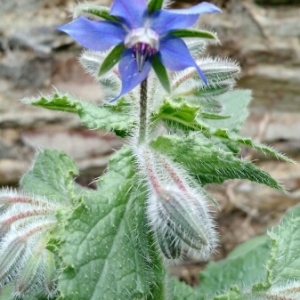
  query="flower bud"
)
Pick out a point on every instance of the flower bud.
point(25, 263)
point(182, 219)
point(177, 212)
point(168, 244)
point(30, 275)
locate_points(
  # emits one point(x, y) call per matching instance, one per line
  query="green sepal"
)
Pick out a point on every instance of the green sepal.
point(111, 59)
point(167, 244)
point(161, 73)
point(194, 33)
point(155, 5)
point(94, 10)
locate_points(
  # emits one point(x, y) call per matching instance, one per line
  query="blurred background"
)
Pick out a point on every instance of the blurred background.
point(262, 35)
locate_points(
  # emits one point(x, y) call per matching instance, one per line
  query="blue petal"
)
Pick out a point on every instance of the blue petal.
point(175, 56)
point(132, 12)
point(166, 20)
point(95, 35)
point(130, 76)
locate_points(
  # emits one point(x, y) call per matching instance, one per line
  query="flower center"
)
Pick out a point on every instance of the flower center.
point(144, 43)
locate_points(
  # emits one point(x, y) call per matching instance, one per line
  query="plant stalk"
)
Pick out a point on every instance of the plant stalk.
point(143, 112)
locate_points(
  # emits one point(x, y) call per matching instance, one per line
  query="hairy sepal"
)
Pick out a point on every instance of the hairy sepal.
point(111, 59)
point(168, 244)
point(194, 33)
point(92, 10)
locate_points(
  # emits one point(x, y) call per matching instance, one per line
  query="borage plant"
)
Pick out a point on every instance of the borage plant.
point(180, 117)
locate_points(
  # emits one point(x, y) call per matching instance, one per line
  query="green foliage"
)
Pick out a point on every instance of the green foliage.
point(234, 104)
point(115, 118)
point(51, 176)
point(265, 267)
point(208, 163)
point(105, 250)
point(103, 240)
point(284, 263)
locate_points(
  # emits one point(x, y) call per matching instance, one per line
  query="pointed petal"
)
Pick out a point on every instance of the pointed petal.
point(130, 76)
point(132, 12)
point(175, 55)
point(95, 35)
point(166, 20)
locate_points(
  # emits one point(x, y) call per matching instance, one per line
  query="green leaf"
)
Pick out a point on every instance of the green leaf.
point(94, 10)
point(194, 33)
point(234, 104)
point(181, 291)
point(161, 73)
point(265, 267)
point(114, 118)
point(106, 250)
point(248, 266)
point(208, 163)
point(111, 59)
point(227, 138)
point(51, 176)
point(180, 114)
point(284, 264)
point(187, 112)
point(233, 294)
point(245, 267)
point(155, 5)
point(292, 212)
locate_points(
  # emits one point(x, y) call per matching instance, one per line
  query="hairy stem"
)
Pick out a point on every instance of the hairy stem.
point(143, 112)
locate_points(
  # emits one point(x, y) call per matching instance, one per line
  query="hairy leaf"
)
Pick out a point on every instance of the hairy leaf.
point(180, 114)
point(51, 176)
point(284, 264)
point(245, 267)
point(234, 104)
point(114, 118)
point(105, 251)
point(208, 163)
point(226, 113)
point(230, 139)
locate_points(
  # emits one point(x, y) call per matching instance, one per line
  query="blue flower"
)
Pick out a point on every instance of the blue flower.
point(142, 36)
